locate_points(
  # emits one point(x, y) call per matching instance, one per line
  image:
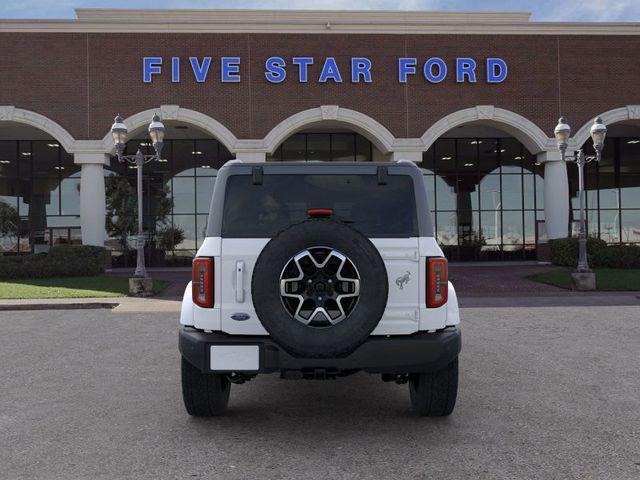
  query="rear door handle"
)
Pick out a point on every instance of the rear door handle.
point(239, 281)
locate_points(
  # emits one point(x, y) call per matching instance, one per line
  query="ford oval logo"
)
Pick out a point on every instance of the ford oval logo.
point(240, 317)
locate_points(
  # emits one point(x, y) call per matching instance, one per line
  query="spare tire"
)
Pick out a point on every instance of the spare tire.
point(319, 288)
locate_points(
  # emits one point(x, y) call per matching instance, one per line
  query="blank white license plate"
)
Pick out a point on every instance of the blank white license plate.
point(235, 357)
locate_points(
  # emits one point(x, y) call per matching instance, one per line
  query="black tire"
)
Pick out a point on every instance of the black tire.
point(343, 337)
point(204, 394)
point(434, 394)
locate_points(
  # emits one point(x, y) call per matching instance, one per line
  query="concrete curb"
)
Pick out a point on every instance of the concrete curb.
point(577, 299)
point(113, 304)
point(57, 306)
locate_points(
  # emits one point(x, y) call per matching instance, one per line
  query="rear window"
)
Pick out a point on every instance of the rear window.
point(259, 211)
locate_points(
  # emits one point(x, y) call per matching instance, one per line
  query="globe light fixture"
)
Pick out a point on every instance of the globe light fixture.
point(562, 133)
point(583, 278)
point(119, 133)
point(598, 134)
point(156, 132)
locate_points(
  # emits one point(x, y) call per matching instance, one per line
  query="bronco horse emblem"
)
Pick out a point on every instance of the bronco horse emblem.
point(402, 280)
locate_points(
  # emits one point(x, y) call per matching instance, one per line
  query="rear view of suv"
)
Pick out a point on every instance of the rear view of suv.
point(315, 271)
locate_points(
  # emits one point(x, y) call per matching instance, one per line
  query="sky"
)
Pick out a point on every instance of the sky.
point(542, 10)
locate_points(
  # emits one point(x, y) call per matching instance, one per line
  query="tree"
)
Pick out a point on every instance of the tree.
point(122, 209)
point(169, 237)
point(9, 220)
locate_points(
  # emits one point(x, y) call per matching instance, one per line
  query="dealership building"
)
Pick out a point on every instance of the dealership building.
point(471, 98)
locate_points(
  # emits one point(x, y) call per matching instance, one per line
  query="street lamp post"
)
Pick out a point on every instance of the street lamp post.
point(156, 132)
point(598, 133)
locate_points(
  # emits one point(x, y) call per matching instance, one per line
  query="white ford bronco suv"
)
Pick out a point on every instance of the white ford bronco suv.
point(319, 270)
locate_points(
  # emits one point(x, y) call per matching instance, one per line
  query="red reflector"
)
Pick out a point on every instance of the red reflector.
point(320, 212)
point(202, 282)
point(437, 282)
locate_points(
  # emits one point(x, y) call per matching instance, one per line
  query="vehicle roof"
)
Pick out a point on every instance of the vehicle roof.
point(237, 163)
point(302, 167)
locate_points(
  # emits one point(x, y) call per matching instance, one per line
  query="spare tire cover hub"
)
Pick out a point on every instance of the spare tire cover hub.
point(319, 288)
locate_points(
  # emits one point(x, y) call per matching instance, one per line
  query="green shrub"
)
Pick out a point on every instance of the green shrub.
point(618, 256)
point(61, 261)
point(564, 251)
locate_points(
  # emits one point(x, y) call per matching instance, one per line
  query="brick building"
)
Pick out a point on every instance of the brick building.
point(472, 98)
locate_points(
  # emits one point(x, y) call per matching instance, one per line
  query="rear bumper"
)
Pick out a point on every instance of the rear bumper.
point(420, 352)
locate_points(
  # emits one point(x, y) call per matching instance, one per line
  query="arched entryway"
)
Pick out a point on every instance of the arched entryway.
point(329, 133)
point(177, 195)
point(486, 192)
point(39, 184)
point(613, 185)
point(327, 143)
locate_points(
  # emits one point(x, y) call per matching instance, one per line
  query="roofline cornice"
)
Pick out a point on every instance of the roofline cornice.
point(287, 15)
point(311, 22)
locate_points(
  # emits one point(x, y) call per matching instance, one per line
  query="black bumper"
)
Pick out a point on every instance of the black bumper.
point(420, 352)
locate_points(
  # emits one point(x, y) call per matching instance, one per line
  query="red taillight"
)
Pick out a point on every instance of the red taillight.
point(320, 212)
point(437, 282)
point(202, 282)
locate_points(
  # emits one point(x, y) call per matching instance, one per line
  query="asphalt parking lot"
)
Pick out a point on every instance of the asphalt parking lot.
point(548, 392)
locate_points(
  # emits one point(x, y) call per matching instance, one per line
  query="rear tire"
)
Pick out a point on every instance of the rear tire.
point(204, 394)
point(434, 394)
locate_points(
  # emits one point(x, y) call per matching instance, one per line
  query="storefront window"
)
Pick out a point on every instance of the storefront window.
point(39, 196)
point(445, 198)
point(630, 225)
point(70, 195)
point(612, 189)
point(486, 196)
point(629, 159)
point(326, 147)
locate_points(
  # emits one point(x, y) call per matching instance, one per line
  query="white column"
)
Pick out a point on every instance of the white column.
point(92, 197)
point(251, 157)
point(556, 194)
point(406, 155)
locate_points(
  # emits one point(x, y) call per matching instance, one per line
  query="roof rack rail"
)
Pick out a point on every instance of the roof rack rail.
point(404, 160)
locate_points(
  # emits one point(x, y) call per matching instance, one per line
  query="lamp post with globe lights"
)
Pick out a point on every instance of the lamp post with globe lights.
point(583, 278)
point(119, 133)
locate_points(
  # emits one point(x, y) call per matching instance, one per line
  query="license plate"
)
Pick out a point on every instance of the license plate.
point(234, 358)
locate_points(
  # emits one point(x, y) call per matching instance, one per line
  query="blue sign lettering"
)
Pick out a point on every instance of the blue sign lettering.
point(496, 70)
point(275, 69)
point(200, 71)
point(441, 67)
point(330, 71)
point(151, 66)
point(406, 66)
point(434, 69)
point(230, 70)
point(465, 67)
point(360, 67)
point(175, 69)
point(303, 67)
